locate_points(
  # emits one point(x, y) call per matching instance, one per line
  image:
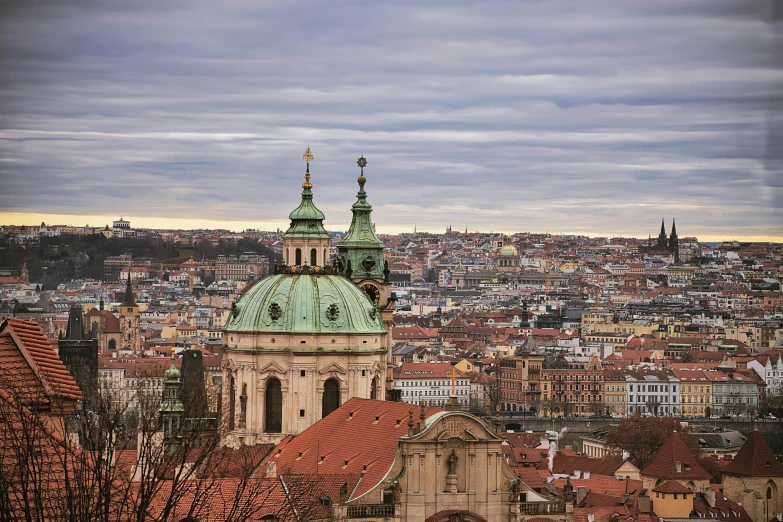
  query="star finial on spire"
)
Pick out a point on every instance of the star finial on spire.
point(362, 162)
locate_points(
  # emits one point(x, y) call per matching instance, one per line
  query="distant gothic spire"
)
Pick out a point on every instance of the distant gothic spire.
point(128, 300)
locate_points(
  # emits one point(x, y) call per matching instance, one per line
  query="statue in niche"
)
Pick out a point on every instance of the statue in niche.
point(396, 489)
point(452, 462)
point(243, 406)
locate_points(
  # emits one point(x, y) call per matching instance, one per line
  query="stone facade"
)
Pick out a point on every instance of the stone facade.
point(454, 464)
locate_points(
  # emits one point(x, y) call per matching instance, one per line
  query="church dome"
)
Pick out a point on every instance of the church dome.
point(509, 250)
point(305, 303)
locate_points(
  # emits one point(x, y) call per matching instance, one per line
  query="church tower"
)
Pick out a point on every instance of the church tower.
point(129, 320)
point(304, 340)
point(674, 244)
point(306, 242)
point(360, 255)
point(171, 409)
point(662, 242)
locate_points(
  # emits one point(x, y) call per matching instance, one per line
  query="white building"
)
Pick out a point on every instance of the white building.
point(770, 369)
point(431, 384)
point(656, 392)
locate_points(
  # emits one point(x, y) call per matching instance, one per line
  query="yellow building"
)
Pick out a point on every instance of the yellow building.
point(672, 500)
point(695, 392)
point(464, 366)
point(614, 392)
point(634, 329)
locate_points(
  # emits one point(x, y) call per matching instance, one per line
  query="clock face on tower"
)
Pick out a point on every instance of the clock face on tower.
point(372, 292)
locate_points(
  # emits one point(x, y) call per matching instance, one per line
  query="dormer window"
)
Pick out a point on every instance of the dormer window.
point(678, 467)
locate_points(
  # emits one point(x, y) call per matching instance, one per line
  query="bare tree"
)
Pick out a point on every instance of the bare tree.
point(82, 472)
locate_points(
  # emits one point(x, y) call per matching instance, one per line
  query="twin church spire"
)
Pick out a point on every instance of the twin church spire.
point(306, 242)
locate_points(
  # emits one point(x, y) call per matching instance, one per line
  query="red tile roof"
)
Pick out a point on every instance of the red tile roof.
point(37, 367)
point(603, 484)
point(569, 464)
point(425, 371)
point(754, 459)
point(672, 486)
point(361, 436)
point(664, 464)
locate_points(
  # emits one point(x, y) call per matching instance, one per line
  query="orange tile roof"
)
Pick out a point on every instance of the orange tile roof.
point(672, 486)
point(26, 339)
point(361, 436)
point(425, 371)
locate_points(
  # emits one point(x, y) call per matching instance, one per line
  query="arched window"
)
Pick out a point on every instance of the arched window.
point(772, 497)
point(298, 257)
point(273, 407)
point(287, 257)
point(313, 257)
point(326, 259)
point(331, 398)
point(112, 344)
point(374, 389)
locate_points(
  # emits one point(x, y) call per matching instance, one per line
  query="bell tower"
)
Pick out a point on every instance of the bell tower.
point(130, 327)
point(306, 242)
point(360, 255)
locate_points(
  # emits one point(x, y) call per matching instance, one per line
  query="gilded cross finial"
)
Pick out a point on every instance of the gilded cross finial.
point(308, 157)
point(453, 378)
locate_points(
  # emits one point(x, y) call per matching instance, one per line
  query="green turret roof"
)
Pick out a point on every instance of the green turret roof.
point(361, 233)
point(171, 402)
point(306, 219)
point(360, 246)
point(305, 303)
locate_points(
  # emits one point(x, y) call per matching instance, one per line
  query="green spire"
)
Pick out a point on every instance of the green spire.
point(171, 408)
point(306, 219)
point(360, 246)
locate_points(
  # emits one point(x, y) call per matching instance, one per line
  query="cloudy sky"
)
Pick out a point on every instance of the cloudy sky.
point(597, 117)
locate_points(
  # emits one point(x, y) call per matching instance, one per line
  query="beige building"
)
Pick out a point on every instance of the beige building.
point(615, 393)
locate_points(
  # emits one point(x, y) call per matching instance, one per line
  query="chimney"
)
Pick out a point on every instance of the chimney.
point(709, 496)
point(581, 493)
point(271, 469)
point(644, 503)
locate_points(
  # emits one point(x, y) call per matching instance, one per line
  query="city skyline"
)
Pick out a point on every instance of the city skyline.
point(502, 116)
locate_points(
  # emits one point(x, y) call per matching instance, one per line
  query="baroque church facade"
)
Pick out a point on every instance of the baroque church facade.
point(303, 341)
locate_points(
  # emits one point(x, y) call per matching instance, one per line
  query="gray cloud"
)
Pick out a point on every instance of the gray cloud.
point(590, 117)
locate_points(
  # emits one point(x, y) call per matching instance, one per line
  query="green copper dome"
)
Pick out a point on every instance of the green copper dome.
point(305, 303)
